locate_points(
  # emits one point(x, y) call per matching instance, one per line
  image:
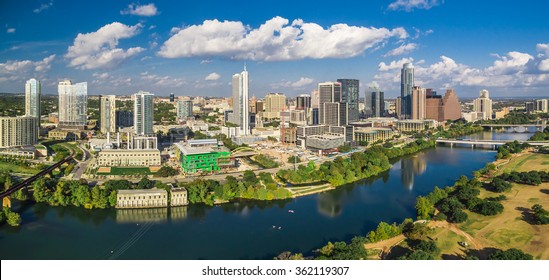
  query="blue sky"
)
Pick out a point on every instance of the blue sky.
point(120, 47)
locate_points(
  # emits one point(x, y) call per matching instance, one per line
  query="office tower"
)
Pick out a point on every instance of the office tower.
point(18, 131)
point(241, 115)
point(172, 97)
point(32, 98)
point(315, 99)
point(483, 106)
point(331, 110)
point(314, 116)
point(143, 113)
point(253, 105)
point(124, 118)
point(530, 107)
point(274, 104)
point(406, 85)
point(184, 109)
point(349, 95)
point(73, 104)
point(442, 108)
point(303, 102)
point(542, 105)
point(107, 108)
point(418, 103)
point(375, 102)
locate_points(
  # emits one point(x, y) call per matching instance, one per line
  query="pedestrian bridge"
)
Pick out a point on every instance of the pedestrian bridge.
point(493, 143)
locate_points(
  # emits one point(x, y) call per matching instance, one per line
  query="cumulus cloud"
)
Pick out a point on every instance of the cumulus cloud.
point(403, 49)
point(164, 81)
point(15, 70)
point(148, 10)
point(299, 84)
point(275, 40)
point(43, 7)
point(410, 5)
point(99, 49)
point(10, 30)
point(212, 77)
point(508, 70)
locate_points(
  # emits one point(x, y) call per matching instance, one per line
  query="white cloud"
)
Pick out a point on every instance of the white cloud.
point(509, 70)
point(212, 77)
point(165, 81)
point(98, 49)
point(403, 49)
point(174, 30)
point(544, 48)
point(15, 70)
point(299, 84)
point(275, 40)
point(10, 30)
point(43, 7)
point(409, 5)
point(205, 61)
point(148, 10)
point(101, 76)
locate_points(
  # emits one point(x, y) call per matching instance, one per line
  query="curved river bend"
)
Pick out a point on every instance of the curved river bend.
point(242, 230)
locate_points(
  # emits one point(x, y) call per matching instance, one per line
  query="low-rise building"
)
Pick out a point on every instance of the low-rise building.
point(414, 125)
point(325, 141)
point(202, 159)
point(372, 135)
point(124, 157)
point(178, 197)
point(141, 198)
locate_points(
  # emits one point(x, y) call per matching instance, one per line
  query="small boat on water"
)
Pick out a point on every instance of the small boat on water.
point(290, 211)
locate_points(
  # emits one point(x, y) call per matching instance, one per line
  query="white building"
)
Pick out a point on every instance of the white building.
point(143, 113)
point(241, 115)
point(483, 105)
point(542, 105)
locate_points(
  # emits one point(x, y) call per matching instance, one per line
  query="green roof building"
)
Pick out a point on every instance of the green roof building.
point(202, 159)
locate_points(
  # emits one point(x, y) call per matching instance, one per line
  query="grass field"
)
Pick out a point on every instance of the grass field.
point(128, 171)
point(513, 227)
point(447, 242)
point(13, 168)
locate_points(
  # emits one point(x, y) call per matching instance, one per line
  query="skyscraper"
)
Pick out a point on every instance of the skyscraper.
point(184, 109)
point(349, 95)
point(274, 104)
point(303, 102)
point(143, 113)
point(406, 86)
point(172, 97)
point(32, 98)
point(542, 105)
point(73, 104)
point(375, 101)
point(107, 108)
point(331, 110)
point(240, 115)
point(443, 108)
point(483, 106)
point(418, 103)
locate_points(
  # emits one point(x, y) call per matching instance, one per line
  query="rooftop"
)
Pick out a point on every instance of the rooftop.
point(151, 191)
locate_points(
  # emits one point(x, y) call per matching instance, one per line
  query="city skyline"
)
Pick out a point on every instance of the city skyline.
point(133, 47)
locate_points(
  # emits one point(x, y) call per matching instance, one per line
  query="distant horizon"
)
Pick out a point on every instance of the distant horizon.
point(125, 46)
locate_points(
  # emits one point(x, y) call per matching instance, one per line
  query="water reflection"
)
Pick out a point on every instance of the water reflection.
point(410, 167)
point(330, 203)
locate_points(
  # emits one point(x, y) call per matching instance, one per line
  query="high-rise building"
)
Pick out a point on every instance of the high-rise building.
point(274, 104)
point(406, 87)
point(530, 107)
point(73, 104)
point(32, 98)
point(374, 102)
point(542, 105)
point(483, 106)
point(107, 109)
point(349, 94)
point(18, 131)
point(418, 103)
point(172, 97)
point(442, 108)
point(331, 110)
point(124, 118)
point(184, 109)
point(143, 113)
point(241, 114)
point(315, 99)
point(303, 102)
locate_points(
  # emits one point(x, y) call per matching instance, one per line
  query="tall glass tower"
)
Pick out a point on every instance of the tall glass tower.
point(406, 87)
point(349, 95)
point(108, 113)
point(32, 98)
point(143, 113)
point(241, 114)
point(73, 104)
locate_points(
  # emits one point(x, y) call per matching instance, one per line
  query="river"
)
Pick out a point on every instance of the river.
point(241, 230)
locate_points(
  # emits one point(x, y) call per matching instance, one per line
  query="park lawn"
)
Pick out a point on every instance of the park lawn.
point(526, 162)
point(78, 154)
point(509, 229)
point(447, 242)
point(128, 171)
point(13, 168)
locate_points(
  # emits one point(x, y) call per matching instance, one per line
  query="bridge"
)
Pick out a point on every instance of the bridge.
point(30, 180)
point(540, 125)
point(493, 143)
point(243, 152)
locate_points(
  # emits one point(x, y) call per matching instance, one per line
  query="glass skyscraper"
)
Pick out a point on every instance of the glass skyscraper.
point(143, 113)
point(108, 113)
point(406, 87)
point(32, 98)
point(349, 95)
point(241, 113)
point(375, 102)
point(73, 104)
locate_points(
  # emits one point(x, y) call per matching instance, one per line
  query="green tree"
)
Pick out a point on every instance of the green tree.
point(145, 183)
point(511, 254)
point(424, 208)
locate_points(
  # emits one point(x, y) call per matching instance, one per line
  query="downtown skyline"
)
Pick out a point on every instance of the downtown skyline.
point(194, 49)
